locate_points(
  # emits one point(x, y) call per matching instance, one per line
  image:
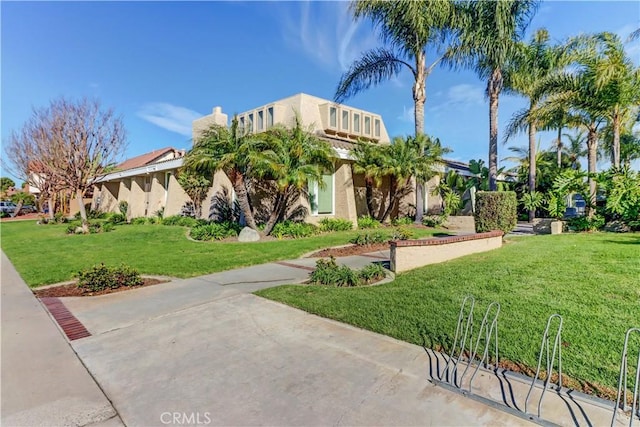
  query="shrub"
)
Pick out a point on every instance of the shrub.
point(183, 221)
point(141, 220)
point(372, 273)
point(101, 277)
point(365, 239)
point(124, 208)
point(368, 222)
point(214, 231)
point(116, 218)
point(583, 223)
point(403, 233)
point(59, 218)
point(496, 210)
point(335, 224)
point(95, 227)
point(329, 273)
point(293, 229)
point(433, 220)
point(405, 220)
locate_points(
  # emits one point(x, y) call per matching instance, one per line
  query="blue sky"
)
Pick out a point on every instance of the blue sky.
point(162, 64)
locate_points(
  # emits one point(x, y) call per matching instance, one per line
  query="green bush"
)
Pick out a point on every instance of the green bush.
point(116, 218)
point(293, 229)
point(141, 220)
point(101, 277)
point(95, 226)
point(335, 224)
point(329, 273)
point(496, 210)
point(403, 233)
point(583, 223)
point(124, 208)
point(405, 220)
point(215, 231)
point(183, 221)
point(368, 222)
point(433, 220)
point(365, 239)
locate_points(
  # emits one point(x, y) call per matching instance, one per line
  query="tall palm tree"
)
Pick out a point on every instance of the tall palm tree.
point(576, 148)
point(487, 44)
point(291, 158)
point(369, 161)
point(229, 150)
point(408, 28)
point(532, 63)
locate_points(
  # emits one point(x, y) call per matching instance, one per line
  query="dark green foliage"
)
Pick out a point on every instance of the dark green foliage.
point(368, 222)
point(141, 220)
point(433, 220)
point(496, 210)
point(293, 229)
point(583, 223)
point(123, 207)
point(335, 224)
point(6, 183)
point(369, 238)
point(95, 226)
point(101, 277)
point(329, 273)
point(183, 221)
point(403, 232)
point(215, 231)
point(92, 214)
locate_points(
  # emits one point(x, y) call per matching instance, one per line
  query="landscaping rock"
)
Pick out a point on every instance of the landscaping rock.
point(248, 235)
point(617, 227)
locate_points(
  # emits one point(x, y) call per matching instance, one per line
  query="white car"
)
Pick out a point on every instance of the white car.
point(7, 207)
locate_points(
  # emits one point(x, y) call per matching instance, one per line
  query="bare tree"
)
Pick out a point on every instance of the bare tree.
point(65, 145)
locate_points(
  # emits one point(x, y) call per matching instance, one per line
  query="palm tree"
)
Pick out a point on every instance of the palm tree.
point(576, 148)
point(369, 161)
point(487, 44)
point(229, 150)
point(533, 62)
point(408, 28)
point(406, 158)
point(292, 158)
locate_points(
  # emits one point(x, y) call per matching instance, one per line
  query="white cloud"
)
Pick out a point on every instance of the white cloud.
point(631, 47)
point(461, 97)
point(335, 45)
point(170, 117)
point(407, 115)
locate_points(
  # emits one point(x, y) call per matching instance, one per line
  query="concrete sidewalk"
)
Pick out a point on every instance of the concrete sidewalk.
point(43, 381)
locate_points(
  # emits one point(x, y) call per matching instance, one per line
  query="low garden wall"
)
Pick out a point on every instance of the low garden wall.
point(410, 254)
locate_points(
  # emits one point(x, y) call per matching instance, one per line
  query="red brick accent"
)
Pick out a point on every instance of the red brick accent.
point(435, 241)
point(71, 326)
point(288, 264)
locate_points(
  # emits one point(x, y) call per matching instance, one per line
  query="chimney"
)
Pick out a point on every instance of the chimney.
point(219, 117)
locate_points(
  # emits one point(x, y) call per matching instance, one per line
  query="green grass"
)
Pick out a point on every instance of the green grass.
point(592, 280)
point(44, 254)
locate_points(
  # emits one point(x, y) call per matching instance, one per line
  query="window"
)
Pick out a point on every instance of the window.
point(377, 128)
point(345, 120)
point(260, 120)
point(321, 199)
point(356, 123)
point(241, 122)
point(367, 125)
point(250, 123)
point(269, 117)
point(333, 120)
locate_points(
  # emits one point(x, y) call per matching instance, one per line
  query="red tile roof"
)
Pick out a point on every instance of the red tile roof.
point(147, 158)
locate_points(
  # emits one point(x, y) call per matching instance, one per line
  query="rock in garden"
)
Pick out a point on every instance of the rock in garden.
point(617, 227)
point(248, 235)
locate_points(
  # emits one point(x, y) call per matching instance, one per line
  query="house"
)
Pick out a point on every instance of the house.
point(148, 182)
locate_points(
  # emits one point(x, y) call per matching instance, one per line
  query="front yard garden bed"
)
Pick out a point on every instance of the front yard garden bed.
point(72, 289)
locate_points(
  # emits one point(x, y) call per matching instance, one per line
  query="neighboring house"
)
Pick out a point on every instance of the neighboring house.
point(148, 183)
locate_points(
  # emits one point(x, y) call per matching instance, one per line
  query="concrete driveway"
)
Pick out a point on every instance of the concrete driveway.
point(221, 356)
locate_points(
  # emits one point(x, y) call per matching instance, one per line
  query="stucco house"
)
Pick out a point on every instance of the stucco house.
point(148, 183)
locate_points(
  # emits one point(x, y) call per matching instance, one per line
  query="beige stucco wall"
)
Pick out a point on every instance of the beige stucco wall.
point(405, 258)
point(220, 183)
point(176, 197)
point(137, 197)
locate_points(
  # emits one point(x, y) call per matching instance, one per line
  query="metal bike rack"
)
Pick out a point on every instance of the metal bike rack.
point(623, 380)
point(545, 347)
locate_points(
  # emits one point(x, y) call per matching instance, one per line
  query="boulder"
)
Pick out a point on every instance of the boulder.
point(617, 227)
point(248, 235)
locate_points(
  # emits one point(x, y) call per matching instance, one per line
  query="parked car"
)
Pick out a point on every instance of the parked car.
point(28, 209)
point(7, 207)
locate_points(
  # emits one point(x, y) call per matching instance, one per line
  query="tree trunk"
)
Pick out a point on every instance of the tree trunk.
point(51, 207)
point(494, 92)
point(419, 98)
point(276, 213)
point(368, 185)
point(240, 187)
point(83, 211)
point(559, 147)
point(532, 166)
point(393, 190)
point(16, 211)
point(592, 150)
point(615, 122)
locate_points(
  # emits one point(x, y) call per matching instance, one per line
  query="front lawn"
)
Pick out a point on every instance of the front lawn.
point(592, 280)
point(44, 254)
